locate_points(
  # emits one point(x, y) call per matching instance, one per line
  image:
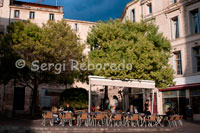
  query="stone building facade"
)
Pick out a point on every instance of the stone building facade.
point(11, 11)
point(179, 21)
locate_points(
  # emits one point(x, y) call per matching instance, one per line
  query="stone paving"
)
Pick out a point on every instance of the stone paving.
point(34, 126)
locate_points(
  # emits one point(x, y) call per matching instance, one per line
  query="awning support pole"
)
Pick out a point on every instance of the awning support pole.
point(152, 100)
point(89, 99)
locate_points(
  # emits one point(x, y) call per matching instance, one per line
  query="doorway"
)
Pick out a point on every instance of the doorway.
point(19, 96)
point(137, 100)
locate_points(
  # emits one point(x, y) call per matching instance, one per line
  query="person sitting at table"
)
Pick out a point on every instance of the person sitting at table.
point(169, 112)
point(135, 111)
point(68, 108)
point(93, 108)
point(146, 105)
point(113, 110)
point(130, 110)
point(147, 111)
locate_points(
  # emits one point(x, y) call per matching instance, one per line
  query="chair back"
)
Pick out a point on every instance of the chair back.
point(181, 117)
point(152, 118)
point(118, 117)
point(177, 117)
point(68, 115)
point(100, 116)
point(171, 118)
point(48, 115)
point(135, 117)
point(84, 116)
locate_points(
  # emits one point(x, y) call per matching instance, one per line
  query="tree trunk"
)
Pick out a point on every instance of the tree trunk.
point(33, 108)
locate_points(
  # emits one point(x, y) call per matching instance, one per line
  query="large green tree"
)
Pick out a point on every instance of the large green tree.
point(139, 44)
point(47, 52)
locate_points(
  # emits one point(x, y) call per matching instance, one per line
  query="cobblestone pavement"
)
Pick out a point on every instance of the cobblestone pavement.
point(189, 127)
point(34, 126)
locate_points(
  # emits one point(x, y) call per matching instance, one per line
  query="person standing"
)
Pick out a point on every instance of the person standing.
point(115, 102)
point(147, 111)
point(146, 105)
point(135, 110)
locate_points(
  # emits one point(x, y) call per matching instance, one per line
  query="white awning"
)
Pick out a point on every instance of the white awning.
point(133, 83)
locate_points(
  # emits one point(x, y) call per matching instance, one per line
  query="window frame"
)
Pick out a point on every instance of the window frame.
point(178, 62)
point(196, 59)
point(76, 26)
point(15, 13)
point(175, 27)
point(31, 15)
point(192, 21)
point(150, 8)
point(133, 15)
point(174, 1)
point(50, 18)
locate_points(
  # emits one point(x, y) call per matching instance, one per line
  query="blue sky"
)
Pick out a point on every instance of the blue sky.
point(89, 10)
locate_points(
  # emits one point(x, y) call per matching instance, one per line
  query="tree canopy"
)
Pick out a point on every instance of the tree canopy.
point(139, 44)
point(50, 47)
point(76, 97)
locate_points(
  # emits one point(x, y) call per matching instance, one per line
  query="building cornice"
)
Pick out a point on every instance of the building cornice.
point(80, 21)
point(36, 9)
point(127, 6)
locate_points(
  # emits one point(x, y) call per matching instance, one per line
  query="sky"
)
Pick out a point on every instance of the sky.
point(89, 10)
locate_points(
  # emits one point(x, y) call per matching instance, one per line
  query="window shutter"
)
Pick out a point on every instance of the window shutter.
point(191, 23)
point(172, 29)
point(177, 26)
point(174, 62)
point(199, 18)
point(181, 67)
point(131, 16)
point(194, 61)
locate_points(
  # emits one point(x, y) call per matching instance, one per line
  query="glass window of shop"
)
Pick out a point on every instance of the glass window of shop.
point(195, 100)
point(174, 100)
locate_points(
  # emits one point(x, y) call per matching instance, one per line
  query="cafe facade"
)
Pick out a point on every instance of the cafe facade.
point(183, 96)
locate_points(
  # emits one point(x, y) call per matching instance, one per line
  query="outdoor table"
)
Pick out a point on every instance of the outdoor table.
point(160, 119)
point(143, 119)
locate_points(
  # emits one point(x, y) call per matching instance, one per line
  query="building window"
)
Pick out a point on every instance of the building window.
point(178, 61)
point(32, 15)
point(174, 1)
point(196, 59)
point(175, 27)
point(51, 16)
point(150, 8)
point(2, 29)
point(16, 13)
point(76, 27)
point(133, 15)
point(1, 3)
point(195, 21)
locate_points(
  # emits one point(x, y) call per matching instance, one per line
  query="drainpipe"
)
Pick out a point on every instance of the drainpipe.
point(9, 16)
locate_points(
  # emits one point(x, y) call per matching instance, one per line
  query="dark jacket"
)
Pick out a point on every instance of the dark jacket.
point(147, 113)
point(69, 109)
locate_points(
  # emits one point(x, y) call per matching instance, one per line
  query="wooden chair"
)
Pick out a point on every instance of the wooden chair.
point(67, 117)
point(47, 116)
point(99, 117)
point(178, 121)
point(134, 120)
point(83, 117)
point(171, 121)
point(117, 119)
point(152, 121)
